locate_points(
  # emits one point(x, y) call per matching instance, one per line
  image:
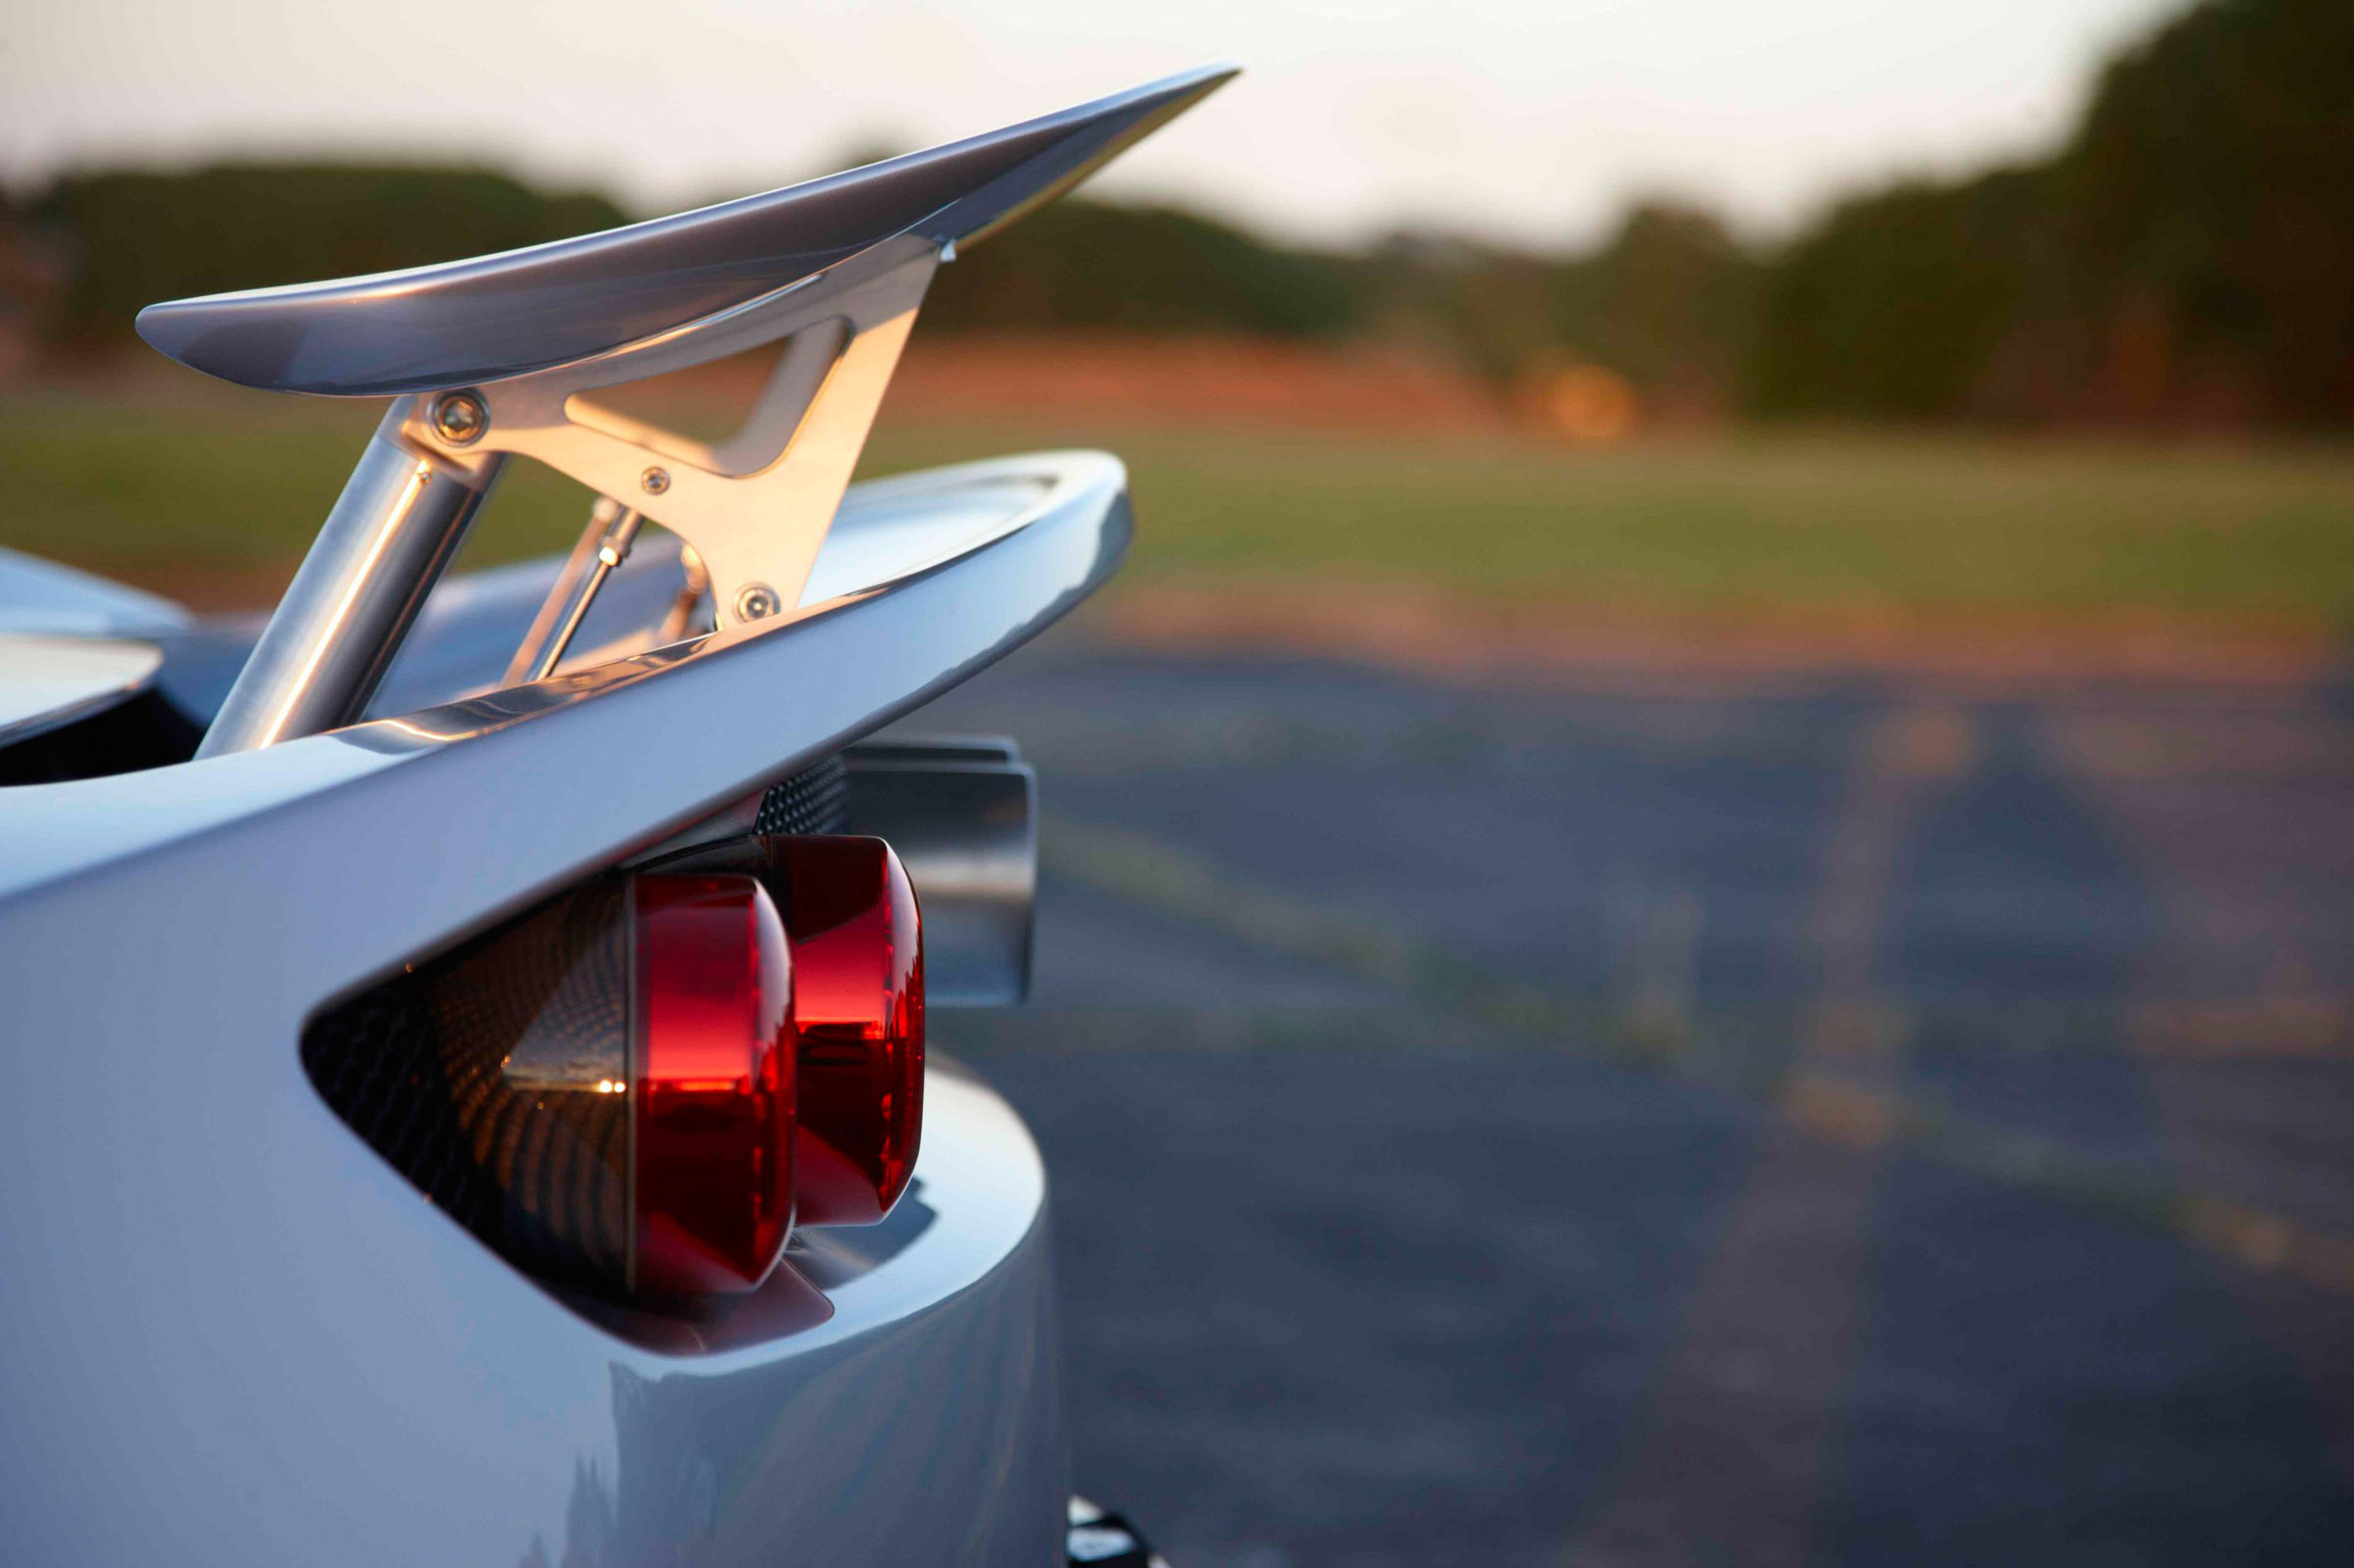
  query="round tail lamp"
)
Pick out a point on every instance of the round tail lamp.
point(859, 1010)
point(712, 1079)
point(637, 1085)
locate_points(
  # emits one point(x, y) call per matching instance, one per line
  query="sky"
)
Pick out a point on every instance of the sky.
point(1527, 122)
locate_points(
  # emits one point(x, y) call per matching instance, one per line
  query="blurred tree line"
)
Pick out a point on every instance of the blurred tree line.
point(2187, 256)
point(126, 239)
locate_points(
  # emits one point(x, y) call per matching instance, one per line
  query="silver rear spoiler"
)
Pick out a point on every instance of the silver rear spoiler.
point(503, 355)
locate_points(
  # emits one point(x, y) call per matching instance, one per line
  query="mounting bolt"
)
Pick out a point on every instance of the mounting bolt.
point(756, 602)
point(654, 481)
point(459, 417)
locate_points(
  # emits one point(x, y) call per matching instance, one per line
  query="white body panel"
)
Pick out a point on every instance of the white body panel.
point(236, 1336)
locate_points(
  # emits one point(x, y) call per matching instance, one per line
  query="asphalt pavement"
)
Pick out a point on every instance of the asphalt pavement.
point(1645, 1117)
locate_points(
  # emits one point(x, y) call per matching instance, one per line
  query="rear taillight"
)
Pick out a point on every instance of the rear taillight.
point(631, 1087)
point(859, 1007)
point(712, 1080)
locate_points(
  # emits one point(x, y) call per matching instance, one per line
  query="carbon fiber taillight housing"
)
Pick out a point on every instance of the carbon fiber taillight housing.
point(613, 1089)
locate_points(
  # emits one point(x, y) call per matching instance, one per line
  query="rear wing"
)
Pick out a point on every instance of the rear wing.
point(502, 356)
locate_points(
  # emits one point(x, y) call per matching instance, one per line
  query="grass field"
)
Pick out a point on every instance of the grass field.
point(230, 488)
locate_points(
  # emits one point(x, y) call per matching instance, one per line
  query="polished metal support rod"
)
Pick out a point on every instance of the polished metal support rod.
point(560, 594)
point(399, 520)
point(621, 533)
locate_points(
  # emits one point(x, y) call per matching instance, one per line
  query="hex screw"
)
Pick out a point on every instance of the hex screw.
point(459, 417)
point(756, 602)
point(654, 481)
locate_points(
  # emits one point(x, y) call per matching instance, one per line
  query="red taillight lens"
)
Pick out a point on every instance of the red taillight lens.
point(859, 1007)
point(631, 1086)
point(713, 1081)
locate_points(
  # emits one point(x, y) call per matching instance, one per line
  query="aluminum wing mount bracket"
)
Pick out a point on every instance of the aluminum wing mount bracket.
point(506, 355)
point(756, 506)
